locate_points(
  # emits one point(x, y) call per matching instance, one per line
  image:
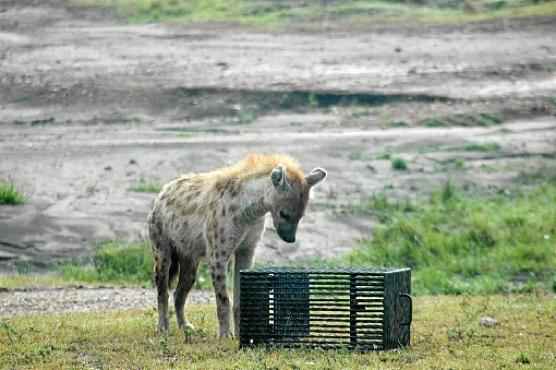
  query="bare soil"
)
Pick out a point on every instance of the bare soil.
point(89, 105)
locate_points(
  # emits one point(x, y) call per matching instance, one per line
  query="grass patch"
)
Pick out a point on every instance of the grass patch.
point(245, 117)
point(384, 156)
point(399, 164)
point(185, 135)
point(311, 14)
point(460, 244)
point(146, 186)
point(114, 262)
point(458, 163)
point(464, 120)
point(121, 263)
point(9, 195)
point(397, 124)
point(380, 206)
point(445, 334)
point(482, 147)
point(359, 155)
point(51, 280)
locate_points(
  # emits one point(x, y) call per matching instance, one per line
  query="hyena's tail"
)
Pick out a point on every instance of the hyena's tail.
point(174, 268)
point(161, 245)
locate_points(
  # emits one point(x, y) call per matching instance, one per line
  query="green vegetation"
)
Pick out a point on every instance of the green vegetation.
point(9, 194)
point(470, 147)
point(459, 244)
point(464, 119)
point(399, 164)
point(458, 163)
point(24, 280)
point(145, 186)
point(384, 156)
point(455, 244)
point(185, 135)
point(246, 117)
point(120, 263)
point(398, 124)
point(482, 147)
point(311, 14)
point(114, 262)
point(445, 334)
point(359, 155)
point(380, 206)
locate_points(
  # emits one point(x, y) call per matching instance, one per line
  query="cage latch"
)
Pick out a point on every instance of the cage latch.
point(410, 302)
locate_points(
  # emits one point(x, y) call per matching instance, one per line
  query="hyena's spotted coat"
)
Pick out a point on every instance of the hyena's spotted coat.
point(218, 215)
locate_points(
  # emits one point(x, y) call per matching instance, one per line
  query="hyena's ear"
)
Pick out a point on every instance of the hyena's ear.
point(279, 179)
point(317, 175)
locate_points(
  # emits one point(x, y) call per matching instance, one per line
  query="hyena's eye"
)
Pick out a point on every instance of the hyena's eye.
point(285, 216)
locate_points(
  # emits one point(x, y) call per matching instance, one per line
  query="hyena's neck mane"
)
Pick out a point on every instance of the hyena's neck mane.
point(255, 166)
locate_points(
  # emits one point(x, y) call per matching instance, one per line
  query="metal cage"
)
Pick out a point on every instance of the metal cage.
point(362, 309)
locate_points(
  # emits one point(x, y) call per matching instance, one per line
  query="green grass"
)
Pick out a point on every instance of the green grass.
point(458, 164)
point(245, 117)
point(32, 281)
point(380, 206)
point(457, 243)
point(311, 14)
point(119, 263)
point(359, 155)
point(114, 262)
point(445, 335)
point(470, 147)
point(9, 195)
point(384, 156)
point(397, 124)
point(399, 164)
point(146, 186)
point(464, 120)
point(185, 135)
point(482, 147)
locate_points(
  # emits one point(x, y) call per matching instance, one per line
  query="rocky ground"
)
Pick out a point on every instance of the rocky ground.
point(40, 301)
point(90, 106)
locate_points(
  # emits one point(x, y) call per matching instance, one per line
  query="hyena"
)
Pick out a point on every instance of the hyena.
point(220, 214)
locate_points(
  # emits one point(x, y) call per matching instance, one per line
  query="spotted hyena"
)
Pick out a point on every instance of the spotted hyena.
point(218, 215)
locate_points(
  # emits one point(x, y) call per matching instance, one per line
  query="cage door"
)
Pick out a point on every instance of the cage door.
point(291, 305)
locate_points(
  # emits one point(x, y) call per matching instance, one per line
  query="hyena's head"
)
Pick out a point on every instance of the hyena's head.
point(289, 199)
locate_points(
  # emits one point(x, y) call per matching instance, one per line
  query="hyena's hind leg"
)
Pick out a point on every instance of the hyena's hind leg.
point(188, 273)
point(162, 258)
point(162, 270)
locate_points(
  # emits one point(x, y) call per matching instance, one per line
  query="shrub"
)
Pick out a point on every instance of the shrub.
point(145, 186)
point(9, 194)
point(399, 164)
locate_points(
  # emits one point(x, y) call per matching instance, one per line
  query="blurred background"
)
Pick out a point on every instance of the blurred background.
point(435, 120)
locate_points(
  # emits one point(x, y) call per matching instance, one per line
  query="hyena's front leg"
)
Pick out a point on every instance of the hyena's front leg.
point(243, 259)
point(218, 268)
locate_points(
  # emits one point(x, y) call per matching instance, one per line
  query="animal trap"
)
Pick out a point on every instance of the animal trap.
point(361, 309)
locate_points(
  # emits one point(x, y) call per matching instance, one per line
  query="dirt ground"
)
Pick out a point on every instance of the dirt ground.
point(79, 299)
point(90, 105)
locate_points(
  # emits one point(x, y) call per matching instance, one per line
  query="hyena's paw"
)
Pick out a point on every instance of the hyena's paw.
point(188, 327)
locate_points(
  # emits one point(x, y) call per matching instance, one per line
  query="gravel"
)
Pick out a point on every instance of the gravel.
point(24, 302)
